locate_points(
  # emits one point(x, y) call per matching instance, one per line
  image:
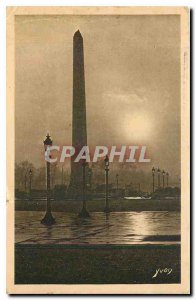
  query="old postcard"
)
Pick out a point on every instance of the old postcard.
point(98, 145)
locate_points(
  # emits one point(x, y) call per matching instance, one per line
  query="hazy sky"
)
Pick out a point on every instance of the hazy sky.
point(132, 73)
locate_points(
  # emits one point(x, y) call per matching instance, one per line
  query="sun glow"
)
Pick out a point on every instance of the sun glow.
point(138, 127)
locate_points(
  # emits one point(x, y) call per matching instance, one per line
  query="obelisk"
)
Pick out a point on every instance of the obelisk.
point(79, 132)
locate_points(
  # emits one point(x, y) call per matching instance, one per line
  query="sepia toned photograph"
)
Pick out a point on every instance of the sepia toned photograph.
point(98, 150)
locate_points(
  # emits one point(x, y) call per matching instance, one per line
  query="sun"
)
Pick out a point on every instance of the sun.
point(138, 126)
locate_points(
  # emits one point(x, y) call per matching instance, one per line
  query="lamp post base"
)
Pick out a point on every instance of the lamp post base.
point(107, 210)
point(84, 213)
point(48, 219)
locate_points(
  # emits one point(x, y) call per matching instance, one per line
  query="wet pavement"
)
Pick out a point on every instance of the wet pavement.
point(119, 228)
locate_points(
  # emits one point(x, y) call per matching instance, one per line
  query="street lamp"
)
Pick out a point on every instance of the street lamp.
point(62, 176)
point(117, 176)
point(48, 218)
point(163, 172)
point(84, 213)
point(158, 172)
point(106, 160)
point(139, 188)
point(90, 177)
point(25, 182)
point(167, 176)
point(153, 173)
point(30, 178)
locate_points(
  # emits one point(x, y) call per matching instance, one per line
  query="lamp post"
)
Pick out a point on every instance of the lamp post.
point(163, 172)
point(153, 173)
point(158, 172)
point(106, 160)
point(30, 178)
point(25, 182)
point(48, 218)
point(90, 178)
point(62, 176)
point(139, 188)
point(167, 176)
point(53, 175)
point(117, 176)
point(84, 213)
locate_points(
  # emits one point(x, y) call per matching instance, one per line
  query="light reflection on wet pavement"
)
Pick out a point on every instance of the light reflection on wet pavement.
point(119, 228)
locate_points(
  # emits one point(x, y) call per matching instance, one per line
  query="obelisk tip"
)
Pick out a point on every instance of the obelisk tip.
point(77, 33)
